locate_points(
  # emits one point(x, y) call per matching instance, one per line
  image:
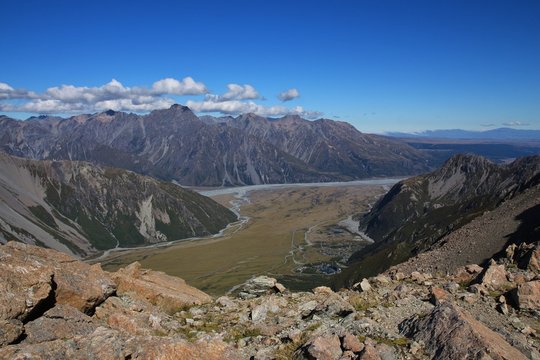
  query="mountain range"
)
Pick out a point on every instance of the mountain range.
point(418, 212)
point(504, 133)
point(80, 208)
point(175, 144)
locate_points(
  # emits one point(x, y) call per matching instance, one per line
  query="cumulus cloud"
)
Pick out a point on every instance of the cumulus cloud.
point(288, 95)
point(114, 95)
point(516, 123)
point(187, 86)
point(235, 107)
point(7, 92)
point(235, 92)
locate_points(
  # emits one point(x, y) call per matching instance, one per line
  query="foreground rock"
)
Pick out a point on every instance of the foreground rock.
point(168, 292)
point(33, 277)
point(527, 296)
point(156, 316)
point(451, 333)
point(108, 344)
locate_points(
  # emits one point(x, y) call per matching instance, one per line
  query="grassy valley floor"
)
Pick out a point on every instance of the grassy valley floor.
point(293, 234)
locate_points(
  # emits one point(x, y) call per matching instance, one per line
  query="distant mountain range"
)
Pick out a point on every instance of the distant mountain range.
point(419, 211)
point(175, 144)
point(80, 208)
point(504, 133)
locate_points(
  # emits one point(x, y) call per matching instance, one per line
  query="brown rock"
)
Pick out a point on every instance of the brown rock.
point(60, 322)
point(462, 276)
point(167, 292)
point(352, 343)
point(527, 295)
point(31, 273)
point(438, 295)
point(451, 333)
point(474, 269)
point(348, 355)
point(369, 353)
point(135, 317)
point(10, 330)
point(494, 277)
point(325, 347)
point(25, 283)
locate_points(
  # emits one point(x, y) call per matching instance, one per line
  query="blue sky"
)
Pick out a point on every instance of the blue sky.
point(380, 65)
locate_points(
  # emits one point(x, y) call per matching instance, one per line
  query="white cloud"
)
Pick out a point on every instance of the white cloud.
point(114, 95)
point(7, 92)
point(235, 92)
point(516, 123)
point(187, 86)
point(235, 107)
point(288, 95)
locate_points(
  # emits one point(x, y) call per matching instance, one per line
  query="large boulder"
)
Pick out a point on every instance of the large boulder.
point(35, 278)
point(258, 286)
point(527, 295)
point(167, 292)
point(494, 277)
point(451, 333)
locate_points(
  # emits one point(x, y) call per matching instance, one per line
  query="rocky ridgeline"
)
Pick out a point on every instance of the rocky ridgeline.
point(52, 306)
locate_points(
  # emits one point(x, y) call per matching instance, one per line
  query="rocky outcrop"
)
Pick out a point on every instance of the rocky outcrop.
point(420, 214)
point(80, 209)
point(451, 333)
point(167, 292)
point(394, 319)
point(34, 279)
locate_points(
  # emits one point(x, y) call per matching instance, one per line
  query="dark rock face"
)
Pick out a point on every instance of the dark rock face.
point(174, 144)
point(80, 208)
point(419, 211)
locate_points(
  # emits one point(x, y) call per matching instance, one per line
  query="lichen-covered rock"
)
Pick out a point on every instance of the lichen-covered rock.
point(10, 331)
point(60, 322)
point(25, 286)
point(167, 292)
point(34, 276)
point(451, 333)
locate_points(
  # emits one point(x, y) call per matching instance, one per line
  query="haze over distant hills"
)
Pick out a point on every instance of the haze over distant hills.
point(175, 144)
point(504, 133)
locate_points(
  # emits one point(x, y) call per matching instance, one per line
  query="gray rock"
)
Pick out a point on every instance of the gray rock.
point(450, 333)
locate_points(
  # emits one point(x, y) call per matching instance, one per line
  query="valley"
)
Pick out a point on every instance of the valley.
point(294, 232)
